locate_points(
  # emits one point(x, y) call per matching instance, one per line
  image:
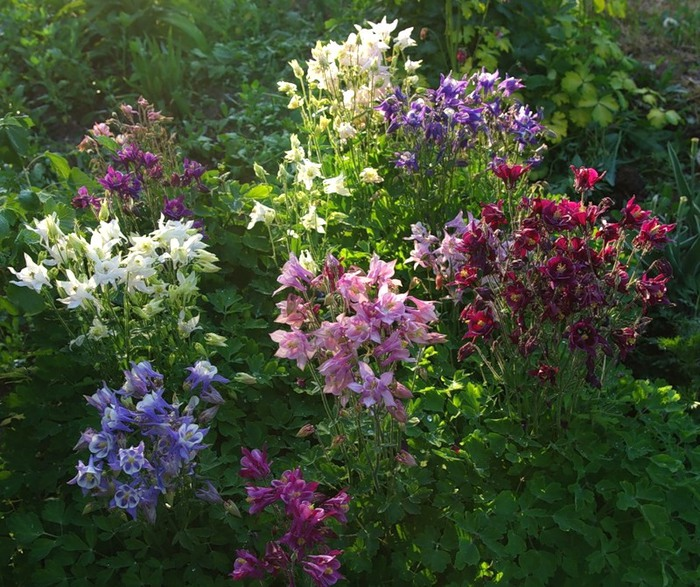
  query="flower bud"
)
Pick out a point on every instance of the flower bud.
point(245, 378)
point(306, 430)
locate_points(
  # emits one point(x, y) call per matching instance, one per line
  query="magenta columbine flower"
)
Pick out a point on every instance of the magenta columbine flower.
point(247, 566)
point(323, 568)
point(254, 464)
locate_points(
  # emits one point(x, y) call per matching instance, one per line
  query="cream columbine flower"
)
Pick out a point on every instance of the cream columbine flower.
point(312, 221)
point(307, 261)
point(370, 175)
point(261, 213)
point(336, 185)
point(287, 88)
point(307, 171)
point(296, 68)
point(295, 102)
point(34, 275)
point(296, 153)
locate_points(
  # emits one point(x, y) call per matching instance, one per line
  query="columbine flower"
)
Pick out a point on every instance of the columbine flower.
point(254, 464)
point(312, 221)
point(296, 153)
point(404, 40)
point(132, 460)
point(323, 568)
point(370, 175)
point(307, 171)
point(33, 275)
point(261, 213)
point(77, 292)
point(585, 178)
point(294, 345)
point(336, 185)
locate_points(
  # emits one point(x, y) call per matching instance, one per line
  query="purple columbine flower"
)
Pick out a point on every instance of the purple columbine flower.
point(323, 568)
point(132, 460)
point(85, 199)
point(175, 209)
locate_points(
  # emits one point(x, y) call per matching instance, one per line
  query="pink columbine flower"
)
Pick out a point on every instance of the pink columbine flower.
point(294, 345)
point(254, 463)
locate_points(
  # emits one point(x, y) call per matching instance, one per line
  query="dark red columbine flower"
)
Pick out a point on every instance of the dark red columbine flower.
point(545, 373)
point(526, 240)
point(625, 339)
point(585, 178)
point(652, 290)
point(517, 296)
point(461, 55)
point(618, 278)
point(480, 322)
point(510, 174)
point(466, 350)
point(633, 215)
point(493, 214)
point(583, 336)
point(466, 277)
point(560, 269)
point(653, 234)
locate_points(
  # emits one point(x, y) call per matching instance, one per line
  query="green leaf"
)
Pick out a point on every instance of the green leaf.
point(681, 182)
point(25, 527)
point(467, 555)
point(655, 515)
point(60, 165)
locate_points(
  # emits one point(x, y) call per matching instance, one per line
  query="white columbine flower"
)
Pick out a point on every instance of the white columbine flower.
point(370, 175)
point(346, 131)
point(412, 66)
point(403, 39)
point(77, 292)
point(47, 229)
point(187, 327)
point(33, 275)
point(307, 171)
point(312, 221)
point(98, 330)
point(336, 185)
point(261, 213)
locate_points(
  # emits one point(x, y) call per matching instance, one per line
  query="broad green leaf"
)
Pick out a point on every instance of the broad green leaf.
point(655, 515)
point(59, 164)
point(25, 527)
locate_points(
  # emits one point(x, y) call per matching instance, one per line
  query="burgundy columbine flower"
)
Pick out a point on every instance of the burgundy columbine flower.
point(633, 215)
point(584, 336)
point(585, 178)
point(466, 350)
point(526, 240)
point(560, 270)
point(625, 339)
point(254, 463)
point(517, 296)
point(85, 199)
point(461, 56)
point(466, 277)
point(545, 373)
point(652, 290)
point(653, 234)
point(493, 215)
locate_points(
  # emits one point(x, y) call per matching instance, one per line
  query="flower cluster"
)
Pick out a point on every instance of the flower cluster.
point(109, 278)
point(306, 514)
point(146, 446)
point(557, 286)
point(356, 327)
point(136, 168)
point(336, 94)
point(441, 127)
